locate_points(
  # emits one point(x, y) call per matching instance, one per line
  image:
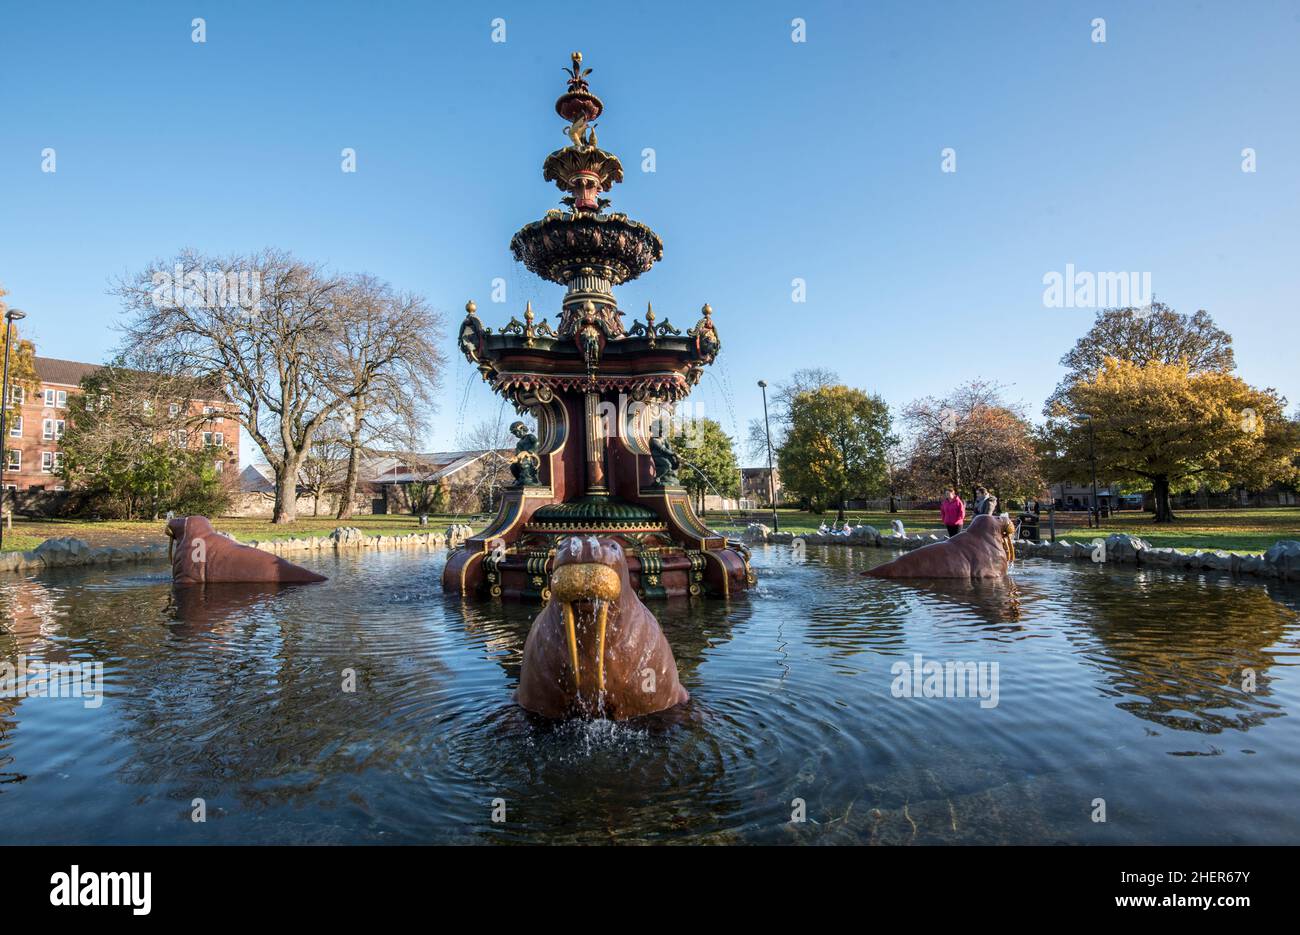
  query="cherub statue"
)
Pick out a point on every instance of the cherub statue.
point(706, 335)
point(589, 336)
point(666, 462)
point(581, 134)
point(524, 466)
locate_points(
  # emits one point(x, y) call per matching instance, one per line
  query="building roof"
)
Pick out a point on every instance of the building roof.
point(72, 372)
point(421, 467)
point(253, 480)
point(66, 372)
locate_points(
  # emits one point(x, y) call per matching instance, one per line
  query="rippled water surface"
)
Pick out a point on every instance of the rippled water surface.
point(1112, 684)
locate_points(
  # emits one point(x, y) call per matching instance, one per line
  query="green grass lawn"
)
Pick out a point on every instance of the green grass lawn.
point(19, 542)
point(27, 533)
point(1232, 530)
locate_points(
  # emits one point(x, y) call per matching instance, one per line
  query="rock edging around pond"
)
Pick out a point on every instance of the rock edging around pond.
point(1281, 561)
point(68, 551)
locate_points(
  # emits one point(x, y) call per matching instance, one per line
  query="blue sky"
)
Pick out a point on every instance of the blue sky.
point(818, 160)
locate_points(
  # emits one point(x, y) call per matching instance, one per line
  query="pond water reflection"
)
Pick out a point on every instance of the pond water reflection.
point(1113, 683)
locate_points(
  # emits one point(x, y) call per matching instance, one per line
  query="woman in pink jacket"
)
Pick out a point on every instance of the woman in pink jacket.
point(952, 511)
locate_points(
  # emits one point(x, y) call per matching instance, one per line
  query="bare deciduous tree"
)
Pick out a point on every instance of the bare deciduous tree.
point(492, 436)
point(971, 437)
point(323, 467)
point(292, 352)
point(803, 380)
point(388, 348)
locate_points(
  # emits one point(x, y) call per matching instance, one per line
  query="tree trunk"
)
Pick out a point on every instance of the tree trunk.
point(350, 481)
point(839, 516)
point(893, 504)
point(286, 493)
point(1160, 490)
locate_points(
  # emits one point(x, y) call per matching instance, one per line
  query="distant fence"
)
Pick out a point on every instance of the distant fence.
point(1233, 501)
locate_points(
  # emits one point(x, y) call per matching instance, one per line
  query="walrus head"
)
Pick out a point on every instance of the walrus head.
point(1007, 536)
point(177, 525)
point(1001, 526)
point(595, 650)
point(587, 573)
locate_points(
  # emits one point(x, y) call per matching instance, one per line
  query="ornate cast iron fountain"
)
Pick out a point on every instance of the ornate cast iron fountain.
point(600, 463)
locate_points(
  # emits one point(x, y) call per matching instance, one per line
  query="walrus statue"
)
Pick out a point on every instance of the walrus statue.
point(199, 555)
point(983, 550)
point(595, 650)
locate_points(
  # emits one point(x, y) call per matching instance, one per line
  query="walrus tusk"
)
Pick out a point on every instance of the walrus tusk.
point(573, 644)
point(602, 618)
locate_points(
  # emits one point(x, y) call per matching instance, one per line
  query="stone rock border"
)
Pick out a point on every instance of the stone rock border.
point(70, 552)
point(1281, 561)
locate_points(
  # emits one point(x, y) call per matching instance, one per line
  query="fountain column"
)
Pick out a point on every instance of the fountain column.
point(596, 484)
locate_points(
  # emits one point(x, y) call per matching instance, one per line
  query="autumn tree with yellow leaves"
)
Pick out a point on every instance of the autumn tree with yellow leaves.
point(835, 446)
point(1172, 427)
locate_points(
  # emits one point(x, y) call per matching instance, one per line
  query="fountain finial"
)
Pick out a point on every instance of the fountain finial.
point(578, 102)
point(582, 169)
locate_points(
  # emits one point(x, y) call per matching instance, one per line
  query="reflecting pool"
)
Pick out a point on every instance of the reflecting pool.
point(1166, 699)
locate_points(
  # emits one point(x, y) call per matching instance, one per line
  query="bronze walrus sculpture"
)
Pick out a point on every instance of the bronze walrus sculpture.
point(199, 554)
point(595, 650)
point(983, 550)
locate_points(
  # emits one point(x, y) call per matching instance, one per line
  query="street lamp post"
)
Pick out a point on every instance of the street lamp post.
point(11, 316)
point(771, 478)
point(1092, 458)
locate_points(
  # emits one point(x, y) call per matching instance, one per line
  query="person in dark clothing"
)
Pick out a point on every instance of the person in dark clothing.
point(985, 503)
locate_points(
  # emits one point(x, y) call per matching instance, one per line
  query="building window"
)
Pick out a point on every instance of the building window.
point(15, 460)
point(173, 410)
point(219, 466)
point(16, 427)
point(51, 461)
point(51, 429)
point(214, 439)
point(17, 395)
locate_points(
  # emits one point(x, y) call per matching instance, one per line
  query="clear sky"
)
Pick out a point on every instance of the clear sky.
point(776, 160)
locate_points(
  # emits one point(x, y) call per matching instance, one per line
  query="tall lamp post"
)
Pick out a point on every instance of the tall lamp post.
point(11, 316)
point(771, 478)
point(1092, 458)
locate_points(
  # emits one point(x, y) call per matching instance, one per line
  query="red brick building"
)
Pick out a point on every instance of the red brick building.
point(33, 441)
